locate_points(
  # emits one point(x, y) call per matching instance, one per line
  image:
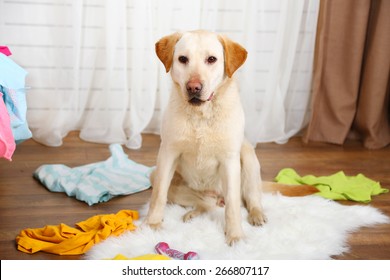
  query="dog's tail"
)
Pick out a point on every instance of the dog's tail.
point(288, 190)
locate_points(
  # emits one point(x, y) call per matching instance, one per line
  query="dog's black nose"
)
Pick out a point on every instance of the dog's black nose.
point(194, 87)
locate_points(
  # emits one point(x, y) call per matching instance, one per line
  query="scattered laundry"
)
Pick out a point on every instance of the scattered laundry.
point(7, 141)
point(13, 97)
point(65, 240)
point(97, 182)
point(150, 257)
point(5, 50)
point(337, 186)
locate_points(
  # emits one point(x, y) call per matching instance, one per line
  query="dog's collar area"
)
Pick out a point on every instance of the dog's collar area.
point(211, 96)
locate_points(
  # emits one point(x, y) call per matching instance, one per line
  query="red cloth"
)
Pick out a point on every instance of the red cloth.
point(5, 50)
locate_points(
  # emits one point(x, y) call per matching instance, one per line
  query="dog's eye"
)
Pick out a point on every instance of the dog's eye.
point(211, 59)
point(183, 59)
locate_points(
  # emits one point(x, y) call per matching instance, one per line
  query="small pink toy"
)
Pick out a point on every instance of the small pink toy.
point(162, 248)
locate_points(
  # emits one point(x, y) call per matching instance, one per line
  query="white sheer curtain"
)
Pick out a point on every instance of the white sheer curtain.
point(92, 65)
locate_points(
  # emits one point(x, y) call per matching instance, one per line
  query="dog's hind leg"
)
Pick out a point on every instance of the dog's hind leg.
point(179, 193)
point(251, 185)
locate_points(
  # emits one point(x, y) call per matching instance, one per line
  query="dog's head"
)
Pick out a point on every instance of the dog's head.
point(199, 61)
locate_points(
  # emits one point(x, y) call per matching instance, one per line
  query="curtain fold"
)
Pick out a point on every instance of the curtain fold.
point(351, 73)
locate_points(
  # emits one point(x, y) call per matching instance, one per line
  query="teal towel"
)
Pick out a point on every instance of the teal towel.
point(337, 186)
point(97, 182)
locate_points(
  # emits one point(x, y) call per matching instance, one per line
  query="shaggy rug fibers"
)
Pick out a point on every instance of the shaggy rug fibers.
point(298, 228)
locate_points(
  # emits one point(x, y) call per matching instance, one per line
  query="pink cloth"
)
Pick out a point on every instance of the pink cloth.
point(7, 141)
point(5, 50)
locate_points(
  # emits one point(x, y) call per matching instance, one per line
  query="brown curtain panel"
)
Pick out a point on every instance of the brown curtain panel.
point(351, 92)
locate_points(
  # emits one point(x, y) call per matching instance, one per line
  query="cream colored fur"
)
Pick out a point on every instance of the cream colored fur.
point(204, 160)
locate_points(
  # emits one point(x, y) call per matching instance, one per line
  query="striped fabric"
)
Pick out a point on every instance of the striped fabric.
point(97, 182)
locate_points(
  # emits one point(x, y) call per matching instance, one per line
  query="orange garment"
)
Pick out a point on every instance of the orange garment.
point(65, 240)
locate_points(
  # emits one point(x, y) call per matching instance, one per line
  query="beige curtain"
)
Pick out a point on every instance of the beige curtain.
point(351, 73)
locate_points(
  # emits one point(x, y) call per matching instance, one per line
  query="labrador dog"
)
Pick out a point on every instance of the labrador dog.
point(204, 159)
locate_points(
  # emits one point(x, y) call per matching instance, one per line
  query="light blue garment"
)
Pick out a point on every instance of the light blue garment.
point(12, 85)
point(97, 182)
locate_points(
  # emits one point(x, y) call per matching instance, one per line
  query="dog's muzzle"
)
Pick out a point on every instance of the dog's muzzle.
point(194, 91)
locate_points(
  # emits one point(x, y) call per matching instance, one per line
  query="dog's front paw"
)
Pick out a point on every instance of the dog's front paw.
point(155, 226)
point(233, 237)
point(153, 223)
point(256, 217)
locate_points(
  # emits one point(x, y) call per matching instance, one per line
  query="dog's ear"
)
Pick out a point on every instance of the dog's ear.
point(165, 48)
point(235, 55)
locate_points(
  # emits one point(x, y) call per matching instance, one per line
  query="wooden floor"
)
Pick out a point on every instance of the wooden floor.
point(24, 203)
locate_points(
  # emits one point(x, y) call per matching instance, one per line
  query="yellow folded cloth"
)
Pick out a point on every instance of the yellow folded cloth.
point(65, 240)
point(151, 257)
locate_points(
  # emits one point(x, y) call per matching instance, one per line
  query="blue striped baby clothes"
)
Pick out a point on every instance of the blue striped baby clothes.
point(97, 182)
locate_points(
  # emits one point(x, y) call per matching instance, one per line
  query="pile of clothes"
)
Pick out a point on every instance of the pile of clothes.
point(13, 107)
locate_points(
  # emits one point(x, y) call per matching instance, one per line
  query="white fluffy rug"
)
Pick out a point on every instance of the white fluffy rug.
point(297, 228)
